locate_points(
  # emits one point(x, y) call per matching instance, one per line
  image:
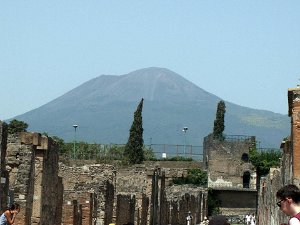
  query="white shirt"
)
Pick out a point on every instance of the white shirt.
point(294, 221)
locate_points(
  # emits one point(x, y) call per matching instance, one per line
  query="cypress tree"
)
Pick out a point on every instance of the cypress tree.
point(134, 147)
point(219, 125)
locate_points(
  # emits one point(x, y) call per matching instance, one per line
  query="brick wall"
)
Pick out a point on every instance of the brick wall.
point(294, 113)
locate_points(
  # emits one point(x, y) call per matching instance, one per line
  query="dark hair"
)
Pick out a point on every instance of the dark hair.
point(14, 206)
point(289, 191)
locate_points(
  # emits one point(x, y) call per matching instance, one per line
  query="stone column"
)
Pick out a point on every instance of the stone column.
point(3, 174)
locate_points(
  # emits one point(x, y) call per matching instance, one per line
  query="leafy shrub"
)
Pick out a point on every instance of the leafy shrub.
point(195, 176)
point(264, 160)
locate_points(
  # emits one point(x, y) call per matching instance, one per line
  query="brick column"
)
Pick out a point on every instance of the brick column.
point(294, 113)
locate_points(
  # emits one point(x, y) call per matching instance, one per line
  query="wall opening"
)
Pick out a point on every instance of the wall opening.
point(246, 179)
point(245, 157)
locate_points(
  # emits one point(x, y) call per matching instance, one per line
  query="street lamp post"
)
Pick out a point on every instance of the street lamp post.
point(185, 130)
point(74, 147)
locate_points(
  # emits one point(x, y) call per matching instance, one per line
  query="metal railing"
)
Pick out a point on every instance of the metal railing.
point(115, 151)
point(162, 151)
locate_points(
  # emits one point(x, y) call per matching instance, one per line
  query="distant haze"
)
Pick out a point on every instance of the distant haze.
point(103, 109)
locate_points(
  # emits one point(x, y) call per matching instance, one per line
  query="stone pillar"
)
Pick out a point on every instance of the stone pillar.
point(68, 209)
point(125, 209)
point(294, 113)
point(154, 197)
point(163, 215)
point(3, 174)
point(37, 189)
point(109, 202)
point(145, 208)
point(32, 166)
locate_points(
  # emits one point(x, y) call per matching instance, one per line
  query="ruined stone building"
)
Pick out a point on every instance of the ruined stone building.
point(230, 174)
point(287, 173)
point(29, 176)
point(54, 193)
point(140, 194)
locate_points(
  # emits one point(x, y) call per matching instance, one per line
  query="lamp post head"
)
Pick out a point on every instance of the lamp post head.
point(185, 129)
point(75, 126)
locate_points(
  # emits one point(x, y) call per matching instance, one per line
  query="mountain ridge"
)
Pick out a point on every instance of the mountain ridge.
point(103, 108)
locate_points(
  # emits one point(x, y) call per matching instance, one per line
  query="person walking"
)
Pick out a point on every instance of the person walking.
point(189, 218)
point(248, 219)
point(252, 219)
point(9, 216)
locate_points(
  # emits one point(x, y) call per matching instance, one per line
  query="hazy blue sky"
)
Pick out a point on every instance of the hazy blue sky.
point(247, 52)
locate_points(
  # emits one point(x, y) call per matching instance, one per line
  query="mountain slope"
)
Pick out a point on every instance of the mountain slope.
point(103, 108)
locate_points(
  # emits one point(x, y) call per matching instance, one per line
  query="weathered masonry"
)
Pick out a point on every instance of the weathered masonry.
point(29, 176)
point(230, 174)
point(139, 194)
point(287, 173)
point(53, 193)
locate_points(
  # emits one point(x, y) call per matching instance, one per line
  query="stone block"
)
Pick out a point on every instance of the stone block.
point(30, 138)
point(44, 143)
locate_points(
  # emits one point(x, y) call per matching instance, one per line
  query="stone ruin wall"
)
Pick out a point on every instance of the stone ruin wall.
point(181, 199)
point(268, 212)
point(287, 173)
point(29, 177)
point(224, 164)
point(129, 196)
point(50, 192)
point(90, 184)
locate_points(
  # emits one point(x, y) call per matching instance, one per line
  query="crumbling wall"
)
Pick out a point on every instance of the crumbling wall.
point(289, 171)
point(98, 180)
point(294, 113)
point(31, 164)
point(181, 199)
point(226, 162)
point(125, 209)
point(268, 212)
point(51, 184)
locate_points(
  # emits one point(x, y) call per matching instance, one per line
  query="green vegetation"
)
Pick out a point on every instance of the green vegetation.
point(195, 176)
point(219, 121)
point(16, 126)
point(213, 203)
point(178, 158)
point(134, 148)
point(99, 152)
point(264, 160)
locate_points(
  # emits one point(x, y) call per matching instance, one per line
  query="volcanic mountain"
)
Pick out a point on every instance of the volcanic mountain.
point(103, 110)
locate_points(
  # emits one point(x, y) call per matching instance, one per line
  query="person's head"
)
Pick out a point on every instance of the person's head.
point(14, 207)
point(289, 197)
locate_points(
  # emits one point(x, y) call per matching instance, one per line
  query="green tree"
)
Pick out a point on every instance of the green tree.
point(16, 126)
point(149, 154)
point(264, 160)
point(219, 125)
point(134, 148)
point(213, 203)
point(62, 146)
